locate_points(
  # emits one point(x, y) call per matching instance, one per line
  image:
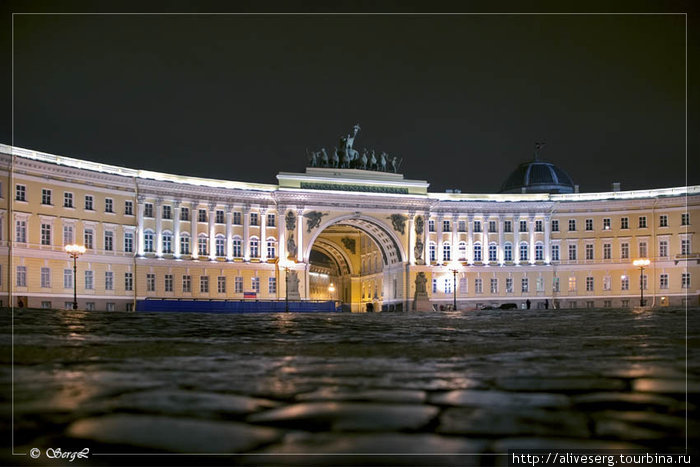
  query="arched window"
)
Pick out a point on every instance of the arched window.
point(237, 250)
point(508, 252)
point(220, 245)
point(184, 244)
point(148, 241)
point(167, 242)
point(523, 251)
point(462, 249)
point(432, 251)
point(477, 251)
point(202, 245)
point(493, 252)
point(539, 252)
point(254, 247)
point(446, 251)
point(271, 247)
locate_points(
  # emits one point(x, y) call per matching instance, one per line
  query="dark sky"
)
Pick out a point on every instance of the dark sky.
point(462, 98)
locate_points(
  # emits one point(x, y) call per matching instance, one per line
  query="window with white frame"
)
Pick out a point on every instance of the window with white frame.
point(445, 226)
point(589, 224)
point(148, 210)
point(555, 252)
point(492, 227)
point(238, 284)
point(431, 225)
point(109, 240)
point(539, 284)
point(254, 218)
point(524, 285)
point(128, 281)
point(663, 220)
point(150, 282)
point(89, 280)
point(643, 249)
point(572, 225)
point(202, 216)
point(493, 252)
point(187, 283)
point(606, 223)
point(663, 281)
point(254, 248)
point(128, 208)
point(271, 248)
point(21, 231)
point(477, 226)
point(624, 223)
point(89, 203)
point(685, 280)
point(494, 285)
point(555, 225)
point(624, 282)
point(255, 284)
point(167, 212)
point(237, 218)
point(685, 246)
point(220, 245)
point(109, 205)
point(89, 238)
point(184, 214)
point(432, 251)
point(21, 276)
point(663, 248)
point(446, 251)
point(448, 285)
point(270, 220)
point(589, 251)
point(538, 226)
point(109, 280)
point(642, 222)
point(167, 242)
point(572, 252)
point(45, 196)
point(45, 234)
point(555, 284)
point(462, 250)
point(508, 252)
point(20, 193)
point(685, 218)
point(539, 252)
point(477, 251)
point(128, 242)
point(204, 284)
point(67, 234)
point(462, 226)
point(435, 287)
point(237, 247)
point(184, 244)
point(67, 278)
point(67, 199)
point(624, 250)
point(607, 250)
point(148, 241)
point(523, 226)
point(221, 284)
point(478, 286)
point(643, 279)
point(507, 226)
point(45, 277)
point(589, 283)
point(509, 285)
point(524, 251)
point(272, 285)
point(219, 217)
point(572, 283)
point(607, 283)
point(202, 245)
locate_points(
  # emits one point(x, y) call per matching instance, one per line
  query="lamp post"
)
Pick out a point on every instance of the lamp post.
point(641, 263)
point(74, 251)
point(455, 267)
point(286, 265)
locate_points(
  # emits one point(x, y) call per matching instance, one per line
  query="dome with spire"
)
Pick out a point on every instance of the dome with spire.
point(537, 176)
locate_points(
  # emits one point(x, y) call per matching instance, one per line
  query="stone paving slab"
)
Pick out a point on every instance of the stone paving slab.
point(369, 395)
point(561, 384)
point(473, 398)
point(533, 422)
point(666, 386)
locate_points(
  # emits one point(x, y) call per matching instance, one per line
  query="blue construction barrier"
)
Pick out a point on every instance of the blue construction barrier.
point(234, 306)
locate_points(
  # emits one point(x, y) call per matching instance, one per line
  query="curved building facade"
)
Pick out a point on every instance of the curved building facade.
point(371, 240)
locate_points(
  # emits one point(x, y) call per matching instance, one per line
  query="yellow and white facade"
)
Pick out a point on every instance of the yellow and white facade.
point(156, 235)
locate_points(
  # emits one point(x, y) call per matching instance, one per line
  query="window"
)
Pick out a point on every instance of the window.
point(185, 245)
point(494, 285)
point(643, 249)
point(148, 210)
point(685, 280)
point(607, 303)
point(523, 226)
point(462, 250)
point(663, 281)
point(663, 248)
point(539, 284)
point(448, 285)
point(539, 252)
point(109, 280)
point(589, 224)
point(236, 218)
point(572, 225)
point(254, 248)
point(221, 284)
point(270, 220)
point(663, 220)
point(478, 286)
point(477, 226)
point(254, 218)
point(555, 284)
point(46, 234)
point(624, 282)
point(462, 226)
point(167, 212)
point(624, 250)
point(255, 284)
point(128, 281)
point(445, 226)
point(523, 251)
point(492, 226)
point(624, 223)
point(45, 196)
point(128, 242)
point(685, 246)
point(90, 306)
point(21, 231)
point(555, 252)
point(148, 241)
point(187, 283)
point(538, 226)
point(607, 250)
point(67, 278)
point(109, 205)
point(432, 251)
point(220, 245)
point(45, 277)
point(20, 193)
point(555, 225)
point(643, 280)
point(167, 242)
point(184, 214)
point(572, 284)
point(89, 203)
point(67, 234)
point(446, 251)
point(589, 284)
point(589, 251)
point(607, 283)
point(237, 247)
point(642, 222)
point(508, 252)
point(88, 237)
point(202, 216)
point(435, 286)
point(509, 285)
point(238, 284)
point(150, 282)
point(21, 276)
point(431, 225)
point(493, 252)
point(524, 285)
point(606, 223)
point(89, 280)
point(572, 252)
point(110, 306)
point(507, 226)
point(109, 241)
point(67, 200)
point(477, 251)
point(271, 249)
point(220, 217)
point(685, 218)
point(202, 245)
point(204, 284)
point(272, 285)
point(128, 208)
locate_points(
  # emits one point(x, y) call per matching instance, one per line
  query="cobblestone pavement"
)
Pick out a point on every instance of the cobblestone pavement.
point(349, 389)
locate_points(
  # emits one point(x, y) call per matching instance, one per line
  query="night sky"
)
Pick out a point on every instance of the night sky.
point(462, 98)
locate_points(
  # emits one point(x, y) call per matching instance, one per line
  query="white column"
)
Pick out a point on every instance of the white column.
point(300, 230)
point(246, 232)
point(263, 234)
point(453, 241)
point(139, 226)
point(176, 229)
point(281, 233)
point(531, 225)
point(485, 240)
point(501, 241)
point(159, 227)
point(426, 234)
point(229, 232)
point(438, 227)
point(547, 247)
point(212, 232)
point(411, 239)
point(194, 215)
point(470, 239)
point(516, 241)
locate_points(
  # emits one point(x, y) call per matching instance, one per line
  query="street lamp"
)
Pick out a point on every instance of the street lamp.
point(286, 265)
point(455, 267)
point(641, 263)
point(74, 251)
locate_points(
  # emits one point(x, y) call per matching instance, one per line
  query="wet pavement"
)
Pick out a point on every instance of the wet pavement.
point(456, 388)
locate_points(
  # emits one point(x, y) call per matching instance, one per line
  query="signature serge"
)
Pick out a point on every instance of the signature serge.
point(58, 453)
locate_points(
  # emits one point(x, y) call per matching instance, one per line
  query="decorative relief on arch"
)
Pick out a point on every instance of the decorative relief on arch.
point(291, 247)
point(291, 220)
point(398, 221)
point(349, 244)
point(313, 220)
point(419, 225)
